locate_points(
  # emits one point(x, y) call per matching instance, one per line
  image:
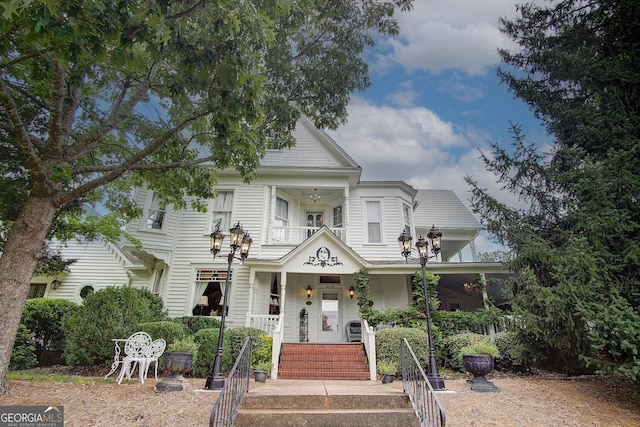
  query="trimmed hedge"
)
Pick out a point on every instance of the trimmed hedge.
point(388, 344)
point(193, 324)
point(23, 353)
point(166, 329)
point(452, 346)
point(513, 353)
point(207, 340)
point(109, 313)
point(43, 317)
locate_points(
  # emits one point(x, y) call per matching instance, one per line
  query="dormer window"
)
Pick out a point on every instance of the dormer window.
point(155, 216)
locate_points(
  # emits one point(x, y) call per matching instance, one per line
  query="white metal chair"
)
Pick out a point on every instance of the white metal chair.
point(152, 354)
point(134, 348)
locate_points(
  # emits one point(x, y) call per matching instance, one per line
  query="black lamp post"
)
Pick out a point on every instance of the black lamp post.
point(239, 240)
point(433, 239)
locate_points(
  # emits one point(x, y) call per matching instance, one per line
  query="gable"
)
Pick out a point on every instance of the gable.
point(314, 148)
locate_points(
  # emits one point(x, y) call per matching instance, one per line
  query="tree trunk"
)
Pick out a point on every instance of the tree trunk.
point(17, 265)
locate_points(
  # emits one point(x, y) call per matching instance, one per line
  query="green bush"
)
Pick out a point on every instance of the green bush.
point(207, 341)
point(193, 324)
point(114, 312)
point(237, 337)
point(23, 354)
point(43, 317)
point(453, 345)
point(388, 344)
point(166, 329)
point(513, 353)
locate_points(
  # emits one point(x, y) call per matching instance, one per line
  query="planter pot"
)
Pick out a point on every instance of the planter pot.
point(260, 376)
point(387, 378)
point(479, 365)
point(177, 363)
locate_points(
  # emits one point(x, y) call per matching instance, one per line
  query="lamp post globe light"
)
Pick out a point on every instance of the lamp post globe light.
point(434, 241)
point(242, 241)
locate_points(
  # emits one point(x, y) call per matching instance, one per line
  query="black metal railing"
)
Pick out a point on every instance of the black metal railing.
point(224, 411)
point(414, 382)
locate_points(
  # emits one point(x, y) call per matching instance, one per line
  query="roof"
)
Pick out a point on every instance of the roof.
point(443, 209)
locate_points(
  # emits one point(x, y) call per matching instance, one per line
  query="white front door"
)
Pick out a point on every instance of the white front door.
point(314, 219)
point(329, 322)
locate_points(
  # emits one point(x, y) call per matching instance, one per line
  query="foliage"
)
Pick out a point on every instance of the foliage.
point(362, 292)
point(387, 367)
point(453, 345)
point(453, 322)
point(237, 337)
point(43, 317)
point(109, 313)
point(417, 291)
point(513, 354)
point(185, 344)
point(193, 324)
point(406, 318)
point(23, 354)
point(574, 239)
point(480, 347)
point(388, 344)
point(207, 341)
point(166, 329)
point(263, 366)
point(99, 99)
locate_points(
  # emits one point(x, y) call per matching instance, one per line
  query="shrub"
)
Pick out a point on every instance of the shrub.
point(23, 354)
point(387, 367)
point(237, 337)
point(513, 353)
point(207, 341)
point(109, 313)
point(453, 345)
point(388, 344)
point(43, 317)
point(193, 324)
point(167, 330)
point(487, 348)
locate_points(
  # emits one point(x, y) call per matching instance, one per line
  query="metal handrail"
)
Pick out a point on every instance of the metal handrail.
point(224, 411)
point(414, 382)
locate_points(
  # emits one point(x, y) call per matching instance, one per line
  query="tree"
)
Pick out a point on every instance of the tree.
point(576, 245)
point(100, 96)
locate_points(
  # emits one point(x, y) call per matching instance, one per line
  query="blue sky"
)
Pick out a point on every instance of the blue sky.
point(436, 100)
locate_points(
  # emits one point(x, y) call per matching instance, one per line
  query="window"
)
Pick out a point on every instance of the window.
point(36, 290)
point(282, 212)
point(406, 214)
point(221, 211)
point(337, 216)
point(155, 218)
point(374, 233)
point(209, 284)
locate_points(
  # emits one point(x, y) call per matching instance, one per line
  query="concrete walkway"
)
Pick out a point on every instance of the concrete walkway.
point(324, 387)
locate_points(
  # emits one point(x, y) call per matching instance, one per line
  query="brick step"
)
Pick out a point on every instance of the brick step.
point(321, 358)
point(356, 365)
point(328, 374)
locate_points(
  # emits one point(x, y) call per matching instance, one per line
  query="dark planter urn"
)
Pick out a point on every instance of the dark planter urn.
point(260, 376)
point(177, 363)
point(387, 378)
point(479, 365)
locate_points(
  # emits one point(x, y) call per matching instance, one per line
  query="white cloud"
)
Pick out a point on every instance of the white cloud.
point(453, 34)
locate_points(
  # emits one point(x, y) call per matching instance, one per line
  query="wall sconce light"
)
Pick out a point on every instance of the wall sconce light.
point(352, 292)
point(55, 284)
point(309, 291)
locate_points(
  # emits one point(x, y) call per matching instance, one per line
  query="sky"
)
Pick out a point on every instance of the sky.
point(436, 101)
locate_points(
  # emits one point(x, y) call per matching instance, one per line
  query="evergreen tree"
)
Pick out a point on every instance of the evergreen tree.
point(576, 246)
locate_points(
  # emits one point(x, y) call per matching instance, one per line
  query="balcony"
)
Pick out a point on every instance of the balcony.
point(292, 235)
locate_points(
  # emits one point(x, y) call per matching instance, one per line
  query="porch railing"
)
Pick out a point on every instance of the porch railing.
point(414, 382)
point(369, 341)
point(290, 235)
point(265, 322)
point(226, 408)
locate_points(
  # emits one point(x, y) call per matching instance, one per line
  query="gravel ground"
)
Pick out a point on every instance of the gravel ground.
point(520, 401)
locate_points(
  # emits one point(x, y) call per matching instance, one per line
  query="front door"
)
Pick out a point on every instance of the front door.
point(329, 329)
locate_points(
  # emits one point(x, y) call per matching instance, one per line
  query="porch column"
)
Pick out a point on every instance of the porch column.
point(252, 291)
point(283, 291)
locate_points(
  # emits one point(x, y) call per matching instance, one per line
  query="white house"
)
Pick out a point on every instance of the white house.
point(313, 223)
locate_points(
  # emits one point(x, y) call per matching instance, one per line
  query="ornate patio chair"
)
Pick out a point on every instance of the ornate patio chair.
point(134, 349)
point(154, 351)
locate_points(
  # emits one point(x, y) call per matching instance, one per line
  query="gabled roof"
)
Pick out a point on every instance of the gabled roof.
point(443, 209)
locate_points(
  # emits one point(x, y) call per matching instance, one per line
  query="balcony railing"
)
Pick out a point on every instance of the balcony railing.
point(290, 235)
